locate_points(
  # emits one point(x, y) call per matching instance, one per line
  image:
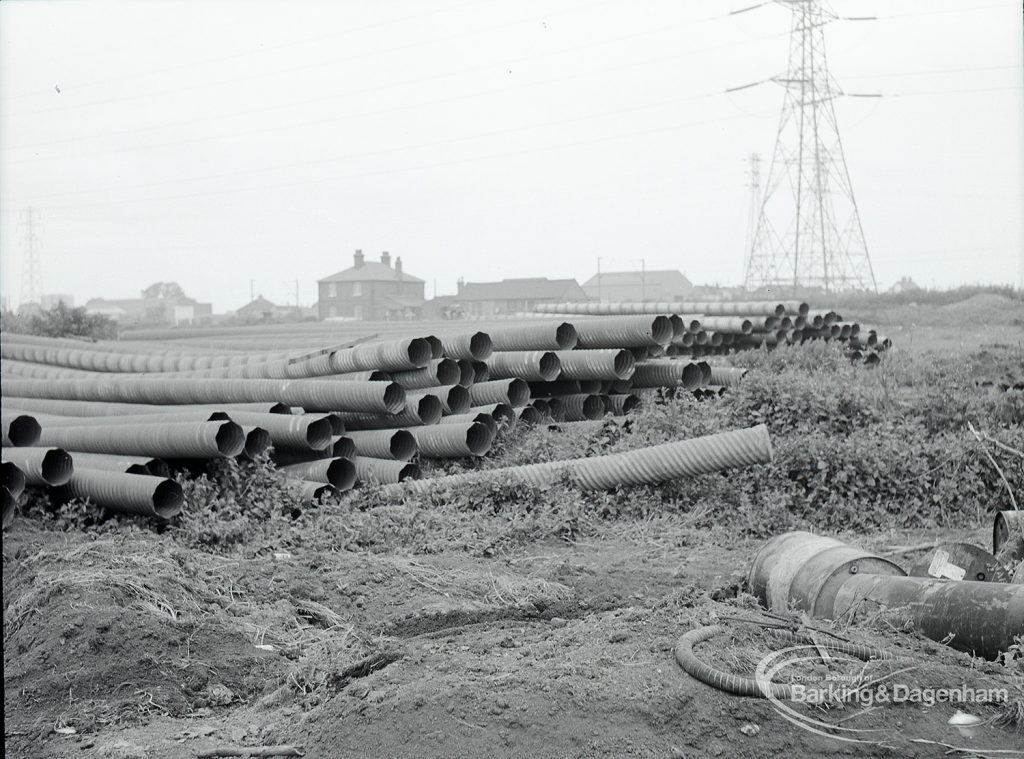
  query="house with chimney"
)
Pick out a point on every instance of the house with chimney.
point(371, 290)
point(512, 296)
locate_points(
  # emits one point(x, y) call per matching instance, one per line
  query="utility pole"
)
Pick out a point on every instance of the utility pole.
point(808, 232)
point(252, 290)
point(31, 278)
point(599, 279)
point(297, 306)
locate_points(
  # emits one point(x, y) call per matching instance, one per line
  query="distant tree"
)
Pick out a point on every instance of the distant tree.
point(61, 321)
point(164, 290)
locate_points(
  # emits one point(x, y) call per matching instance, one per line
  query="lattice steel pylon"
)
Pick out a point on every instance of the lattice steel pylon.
point(808, 233)
point(31, 278)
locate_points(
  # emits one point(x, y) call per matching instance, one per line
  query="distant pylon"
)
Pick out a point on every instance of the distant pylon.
point(754, 172)
point(808, 233)
point(31, 277)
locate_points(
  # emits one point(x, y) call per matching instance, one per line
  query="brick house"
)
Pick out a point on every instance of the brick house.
point(370, 290)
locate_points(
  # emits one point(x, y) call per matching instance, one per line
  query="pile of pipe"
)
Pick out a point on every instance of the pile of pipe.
point(723, 327)
point(338, 405)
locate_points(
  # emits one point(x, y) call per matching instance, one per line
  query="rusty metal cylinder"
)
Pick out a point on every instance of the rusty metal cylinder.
point(41, 466)
point(800, 570)
point(1007, 525)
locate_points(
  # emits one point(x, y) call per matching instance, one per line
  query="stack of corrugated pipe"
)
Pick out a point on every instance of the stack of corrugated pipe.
point(110, 421)
point(723, 327)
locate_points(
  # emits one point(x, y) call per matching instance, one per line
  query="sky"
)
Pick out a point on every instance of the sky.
point(243, 148)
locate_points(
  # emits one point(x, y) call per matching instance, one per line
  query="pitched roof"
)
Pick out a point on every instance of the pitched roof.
point(370, 271)
point(530, 288)
point(259, 305)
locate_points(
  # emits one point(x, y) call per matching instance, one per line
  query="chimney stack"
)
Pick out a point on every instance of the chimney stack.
point(358, 258)
point(460, 284)
point(385, 258)
point(398, 267)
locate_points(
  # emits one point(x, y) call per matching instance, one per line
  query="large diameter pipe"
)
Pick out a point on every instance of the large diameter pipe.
point(12, 478)
point(476, 346)
point(114, 462)
point(726, 376)
point(424, 410)
point(443, 371)
point(312, 395)
point(453, 441)
point(257, 440)
point(533, 366)
point(311, 432)
point(667, 372)
point(549, 336)
point(175, 440)
point(399, 445)
point(501, 413)
point(581, 408)
point(306, 492)
point(483, 418)
point(718, 308)
point(623, 332)
point(41, 466)
point(339, 473)
point(384, 471)
point(454, 399)
point(100, 408)
point(596, 364)
point(19, 429)
point(128, 493)
point(514, 392)
point(622, 404)
point(645, 466)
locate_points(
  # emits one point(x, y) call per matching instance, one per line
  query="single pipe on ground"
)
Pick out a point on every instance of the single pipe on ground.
point(581, 408)
point(529, 415)
point(596, 364)
point(620, 405)
point(306, 492)
point(445, 441)
point(384, 471)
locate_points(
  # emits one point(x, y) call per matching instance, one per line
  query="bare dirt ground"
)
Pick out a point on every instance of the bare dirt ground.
point(123, 642)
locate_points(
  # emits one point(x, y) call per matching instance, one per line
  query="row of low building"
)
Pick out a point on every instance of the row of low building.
point(382, 290)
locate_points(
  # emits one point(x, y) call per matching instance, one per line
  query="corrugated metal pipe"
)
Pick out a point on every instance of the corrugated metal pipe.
point(623, 332)
point(12, 478)
point(424, 410)
point(454, 399)
point(581, 408)
point(127, 493)
point(476, 346)
point(312, 395)
point(374, 375)
point(100, 408)
point(493, 416)
point(564, 387)
point(339, 473)
point(309, 432)
point(716, 308)
point(529, 415)
point(9, 503)
point(114, 462)
point(175, 440)
point(41, 466)
point(443, 371)
point(399, 445)
point(726, 376)
point(596, 364)
point(532, 366)
point(832, 580)
point(19, 429)
point(622, 404)
point(384, 471)
point(307, 492)
point(645, 466)
point(257, 440)
point(453, 441)
point(667, 372)
point(514, 392)
point(548, 336)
